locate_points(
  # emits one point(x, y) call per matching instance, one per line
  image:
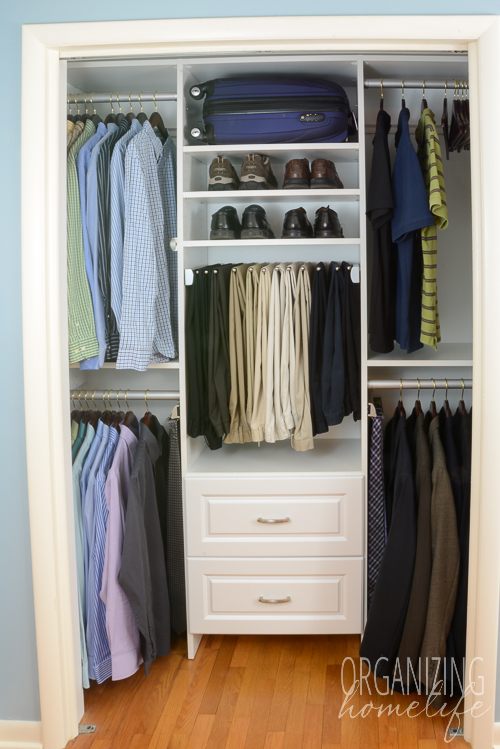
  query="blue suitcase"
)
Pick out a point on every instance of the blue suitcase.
point(271, 109)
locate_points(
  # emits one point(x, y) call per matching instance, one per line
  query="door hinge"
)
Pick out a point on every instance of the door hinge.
point(86, 729)
point(455, 732)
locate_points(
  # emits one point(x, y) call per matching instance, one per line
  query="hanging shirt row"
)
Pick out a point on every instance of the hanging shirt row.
point(405, 214)
point(273, 352)
point(127, 497)
point(418, 549)
point(121, 217)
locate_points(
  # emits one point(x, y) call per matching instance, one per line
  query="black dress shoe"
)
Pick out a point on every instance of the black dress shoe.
point(327, 224)
point(296, 225)
point(225, 224)
point(255, 224)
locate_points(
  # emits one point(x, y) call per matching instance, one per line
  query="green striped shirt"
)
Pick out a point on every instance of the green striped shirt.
point(81, 326)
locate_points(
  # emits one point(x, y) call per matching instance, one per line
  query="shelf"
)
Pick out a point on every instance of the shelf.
point(174, 364)
point(448, 354)
point(257, 196)
point(281, 152)
point(329, 456)
point(230, 243)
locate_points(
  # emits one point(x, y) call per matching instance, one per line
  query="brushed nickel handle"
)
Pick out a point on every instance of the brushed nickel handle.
point(275, 600)
point(272, 521)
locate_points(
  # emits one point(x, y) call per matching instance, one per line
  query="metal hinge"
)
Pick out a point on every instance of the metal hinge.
point(455, 732)
point(86, 729)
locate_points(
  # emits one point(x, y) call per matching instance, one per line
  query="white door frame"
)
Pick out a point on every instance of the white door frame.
point(46, 379)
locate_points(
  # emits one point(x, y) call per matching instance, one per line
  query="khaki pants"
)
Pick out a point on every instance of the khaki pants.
point(302, 438)
point(288, 406)
point(258, 421)
point(239, 431)
point(275, 424)
point(251, 305)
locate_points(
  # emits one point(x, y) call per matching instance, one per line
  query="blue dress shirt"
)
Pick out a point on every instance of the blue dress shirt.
point(82, 168)
point(89, 460)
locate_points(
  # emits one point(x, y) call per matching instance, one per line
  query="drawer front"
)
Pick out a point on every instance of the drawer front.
point(274, 517)
point(276, 596)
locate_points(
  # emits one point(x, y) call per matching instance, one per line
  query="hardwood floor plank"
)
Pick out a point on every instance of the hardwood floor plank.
point(316, 692)
point(246, 697)
point(178, 741)
point(140, 741)
point(313, 727)
point(214, 641)
point(201, 732)
point(218, 676)
point(368, 721)
point(102, 743)
point(192, 703)
point(333, 704)
point(256, 736)
point(192, 664)
point(274, 740)
point(427, 744)
point(294, 730)
point(349, 726)
point(304, 654)
point(242, 651)
point(407, 726)
point(337, 647)
point(272, 656)
point(283, 688)
point(225, 711)
point(238, 732)
point(387, 727)
point(166, 724)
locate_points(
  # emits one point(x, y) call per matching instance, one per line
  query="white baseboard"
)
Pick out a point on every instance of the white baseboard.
point(496, 735)
point(20, 734)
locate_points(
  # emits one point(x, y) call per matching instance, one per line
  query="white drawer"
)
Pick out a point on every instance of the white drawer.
point(325, 596)
point(322, 516)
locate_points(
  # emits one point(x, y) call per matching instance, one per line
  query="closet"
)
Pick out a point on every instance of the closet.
point(306, 575)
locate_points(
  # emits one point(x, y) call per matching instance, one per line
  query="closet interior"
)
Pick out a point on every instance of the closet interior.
point(316, 562)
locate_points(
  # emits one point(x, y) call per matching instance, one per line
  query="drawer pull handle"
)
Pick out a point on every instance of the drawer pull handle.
point(272, 521)
point(275, 600)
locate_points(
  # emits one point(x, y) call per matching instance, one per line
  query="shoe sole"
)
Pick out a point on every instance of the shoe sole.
point(296, 235)
point(329, 235)
point(328, 184)
point(223, 234)
point(256, 234)
point(296, 183)
point(253, 186)
point(219, 187)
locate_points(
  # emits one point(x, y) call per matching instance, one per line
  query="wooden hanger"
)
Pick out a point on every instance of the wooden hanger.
point(432, 407)
point(129, 416)
point(148, 416)
point(104, 415)
point(156, 120)
point(418, 405)
point(401, 408)
point(119, 414)
point(447, 408)
point(424, 100)
point(88, 413)
point(95, 117)
point(79, 414)
point(111, 413)
point(142, 116)
point(79, 117)
point(120, 117)
point(461, 405)
point(130, 116)
point(111, 116)
point(96, 414)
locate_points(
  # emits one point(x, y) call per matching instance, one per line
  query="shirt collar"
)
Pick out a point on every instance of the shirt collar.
point(102, 129)
point(149, 133)
point(152, 444)
point(136, 125)
point(130, 433)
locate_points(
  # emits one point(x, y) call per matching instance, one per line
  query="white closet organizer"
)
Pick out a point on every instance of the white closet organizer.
point(275, 540)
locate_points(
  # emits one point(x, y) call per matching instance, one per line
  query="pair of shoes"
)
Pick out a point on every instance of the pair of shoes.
point(326, 225)
point(322, 174)
point(254, 224)
point(256, 174)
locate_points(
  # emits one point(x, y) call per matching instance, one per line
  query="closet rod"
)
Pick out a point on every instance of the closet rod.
point(414, 384)
point(152, 395)
point(412, 83)
point(99, 98)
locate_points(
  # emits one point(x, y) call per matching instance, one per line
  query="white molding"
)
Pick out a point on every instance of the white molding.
point(20, 734)
point(45, 338)
point(496, 735)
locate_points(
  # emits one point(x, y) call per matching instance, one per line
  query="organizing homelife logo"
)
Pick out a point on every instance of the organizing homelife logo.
point(442, 687)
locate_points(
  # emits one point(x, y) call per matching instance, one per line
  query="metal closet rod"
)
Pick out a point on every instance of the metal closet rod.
point(100, 98)
point(449, 83)
point(424, 384)
point(152, 395)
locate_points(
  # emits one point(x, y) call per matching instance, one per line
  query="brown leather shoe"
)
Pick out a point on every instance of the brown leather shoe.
point(297, 175)
point(327, 224)
point(324, 175)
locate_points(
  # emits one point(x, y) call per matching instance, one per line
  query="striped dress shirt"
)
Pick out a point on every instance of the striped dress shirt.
point(84, 479)
point(82, 166)
point(81, 325)
point(117, 180)
point(104, 228)
point(146, 323)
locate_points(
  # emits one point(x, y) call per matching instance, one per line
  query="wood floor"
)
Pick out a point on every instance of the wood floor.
point(260, 692)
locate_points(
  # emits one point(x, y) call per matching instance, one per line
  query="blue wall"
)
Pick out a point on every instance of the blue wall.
point(19, 699)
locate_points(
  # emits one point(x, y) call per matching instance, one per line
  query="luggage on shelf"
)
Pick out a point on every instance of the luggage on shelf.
point(273, 110)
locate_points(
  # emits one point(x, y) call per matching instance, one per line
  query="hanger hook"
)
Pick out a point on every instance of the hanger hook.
point(434, 391)
point(79, 399)
point(85, 399)
point(111, 101)
point(109, 393)
point(73, 399)
point(400, 390)
point(118, 100)
point(93, 401)
point(403, 89)
point(130, 100)
point(445, 88)
point(69, 107)
point(86, 109)
point(103, 400)
point(381, 88)
point(126, 401)
point(154, 99)
point(76, 104)
point(146, 399)
point(446, 386)
point(117, 396)
point(423, 88)
point(93, 106)
point(140, 102)
point(418, 390)
point(463, 387)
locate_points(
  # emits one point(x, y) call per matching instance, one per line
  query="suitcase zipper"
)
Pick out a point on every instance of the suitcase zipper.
point(269, 105)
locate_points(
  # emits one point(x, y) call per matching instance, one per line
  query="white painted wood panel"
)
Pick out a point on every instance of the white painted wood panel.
point(324, 595)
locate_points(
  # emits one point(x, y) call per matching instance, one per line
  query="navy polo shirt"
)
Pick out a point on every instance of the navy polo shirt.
point(411, 213)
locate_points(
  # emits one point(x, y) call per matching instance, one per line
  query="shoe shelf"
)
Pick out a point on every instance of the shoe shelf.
point(280, 152)
point(449, 354)
point(256, 196)
point(305, 242)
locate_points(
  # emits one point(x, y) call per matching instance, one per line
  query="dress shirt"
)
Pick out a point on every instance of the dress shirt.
point(92, 210)
point(104, 232)
point(82, 166)
point(80, 553)
point(78, 441)
point(117, 185)
point(74, 432)
point(92, 588)
point(81, 326)
point(72, 137)
point(89, 461)
point(146, 323)
point(143, 576)
point(123, 633)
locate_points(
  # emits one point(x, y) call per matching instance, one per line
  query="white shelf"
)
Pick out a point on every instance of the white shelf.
point(174, 364)
point(338, 152)
point(329, 456)
point(230, 243)
point(215, 196)
point(447, 354)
